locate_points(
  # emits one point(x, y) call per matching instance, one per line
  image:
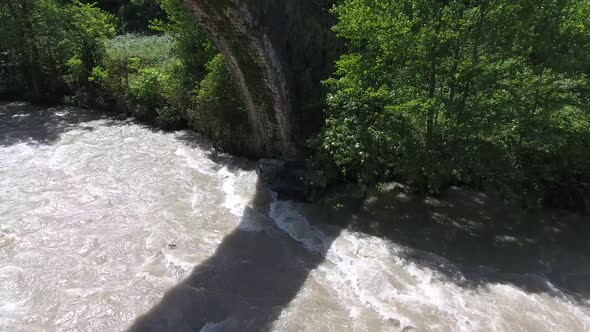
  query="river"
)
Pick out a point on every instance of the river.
point(109, 225)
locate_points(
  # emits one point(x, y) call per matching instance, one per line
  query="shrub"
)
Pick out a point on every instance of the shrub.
point(145, 91)
point(217, 110)
point(52, 47)
point(133, 72)
point(152, 50)
point(437, 93)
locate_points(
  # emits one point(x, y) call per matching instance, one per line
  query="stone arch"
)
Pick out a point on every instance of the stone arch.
point(278, 51)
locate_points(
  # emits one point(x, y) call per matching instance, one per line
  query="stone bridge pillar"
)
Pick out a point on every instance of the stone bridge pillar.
point(278, 52)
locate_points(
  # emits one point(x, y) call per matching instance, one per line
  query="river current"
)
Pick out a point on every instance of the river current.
point(109, 225)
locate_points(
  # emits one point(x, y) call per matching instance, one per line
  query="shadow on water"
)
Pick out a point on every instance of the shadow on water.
point(483, 241)
point(21, 122)
point(470, 239)
point(254, 275)
point(243, 286)
point(233, 163)
point(255, 272)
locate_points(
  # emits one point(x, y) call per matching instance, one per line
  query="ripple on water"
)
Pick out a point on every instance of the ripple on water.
point(99, 218)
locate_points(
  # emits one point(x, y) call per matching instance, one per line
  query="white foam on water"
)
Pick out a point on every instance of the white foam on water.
point(87, 221)
point(199, 162)
point(238, 186)
point(234, 202)
point(229, 324)
point(287, 218)
point(251, 221)
point(173, 261)
point(367, 272)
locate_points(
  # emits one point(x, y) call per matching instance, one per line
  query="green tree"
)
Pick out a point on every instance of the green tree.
point(191, 44)
point(133, 16)
point(484, 93)
point(24, 39)
point(44, 40)
point(217, 111)
point(87, 29)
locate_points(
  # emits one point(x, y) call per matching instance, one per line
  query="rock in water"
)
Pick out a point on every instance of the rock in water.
point(287, 179)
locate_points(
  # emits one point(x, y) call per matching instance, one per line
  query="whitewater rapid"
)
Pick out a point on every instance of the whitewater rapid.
point(105, 223)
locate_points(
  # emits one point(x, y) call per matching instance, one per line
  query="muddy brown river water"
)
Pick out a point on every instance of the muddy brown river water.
point(108, 225)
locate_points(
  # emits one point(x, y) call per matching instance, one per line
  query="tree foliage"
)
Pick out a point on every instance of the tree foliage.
point(489, 93)
point(133, 16)
point(173, 78)
point(493, 94)
point(166, 72)
point(46, 45)
point(218, 111)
